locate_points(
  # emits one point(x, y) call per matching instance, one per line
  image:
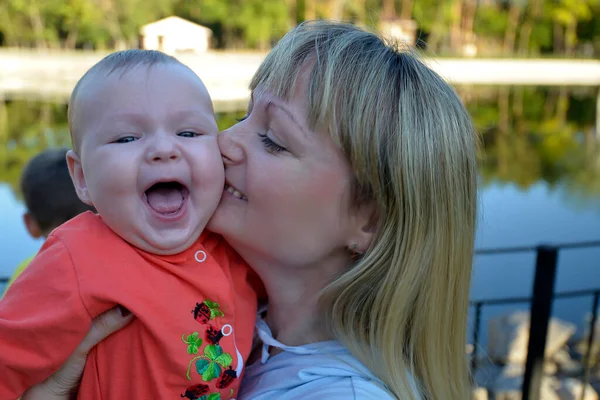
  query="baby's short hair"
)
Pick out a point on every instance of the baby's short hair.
point(120, 61)
point(48, 191)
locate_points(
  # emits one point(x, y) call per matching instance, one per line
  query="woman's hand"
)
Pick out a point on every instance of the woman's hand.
point(64, 383)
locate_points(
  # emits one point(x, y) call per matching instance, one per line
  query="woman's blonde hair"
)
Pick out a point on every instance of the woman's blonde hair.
point(402, 307)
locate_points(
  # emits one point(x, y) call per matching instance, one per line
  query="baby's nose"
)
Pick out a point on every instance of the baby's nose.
point(163, 150)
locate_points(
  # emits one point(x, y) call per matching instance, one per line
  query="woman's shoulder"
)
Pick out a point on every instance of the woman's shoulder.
point(319, 370)
point(356, 388)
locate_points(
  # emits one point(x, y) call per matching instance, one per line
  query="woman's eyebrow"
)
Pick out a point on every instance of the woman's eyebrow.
point(289, 114)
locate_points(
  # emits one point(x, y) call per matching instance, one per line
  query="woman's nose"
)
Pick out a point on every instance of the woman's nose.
point(163, 149)
point(231, 146)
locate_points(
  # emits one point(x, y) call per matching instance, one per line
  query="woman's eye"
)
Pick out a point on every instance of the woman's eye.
point(270, 145)
point(126, 139)
point(188, 134)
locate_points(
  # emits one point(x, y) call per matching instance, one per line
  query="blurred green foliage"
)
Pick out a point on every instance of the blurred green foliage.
point(499, 27)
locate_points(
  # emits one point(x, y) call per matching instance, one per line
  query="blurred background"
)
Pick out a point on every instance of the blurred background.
point(527, 70)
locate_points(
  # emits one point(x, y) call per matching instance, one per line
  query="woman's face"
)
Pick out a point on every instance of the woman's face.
point(287, 187)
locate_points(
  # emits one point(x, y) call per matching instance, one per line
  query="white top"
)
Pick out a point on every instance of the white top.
point(322, 370)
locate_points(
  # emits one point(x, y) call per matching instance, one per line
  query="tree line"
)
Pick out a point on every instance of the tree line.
point(566, 28)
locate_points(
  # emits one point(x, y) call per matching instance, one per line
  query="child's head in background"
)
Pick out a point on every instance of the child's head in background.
point(48, 193)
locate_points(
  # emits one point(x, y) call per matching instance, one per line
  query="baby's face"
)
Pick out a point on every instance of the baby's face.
point(149, 160)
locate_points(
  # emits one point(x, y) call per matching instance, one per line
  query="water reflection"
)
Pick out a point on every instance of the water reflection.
point(538, 134)
point(529, 134)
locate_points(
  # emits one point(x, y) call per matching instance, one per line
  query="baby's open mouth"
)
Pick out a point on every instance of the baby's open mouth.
point(166, 197)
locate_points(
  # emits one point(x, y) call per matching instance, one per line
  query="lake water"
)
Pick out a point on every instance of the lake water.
point(540, 183)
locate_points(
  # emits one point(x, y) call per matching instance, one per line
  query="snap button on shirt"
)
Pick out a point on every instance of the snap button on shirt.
point(200, 256)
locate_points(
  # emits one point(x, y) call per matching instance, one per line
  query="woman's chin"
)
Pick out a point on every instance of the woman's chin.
point(218, 222)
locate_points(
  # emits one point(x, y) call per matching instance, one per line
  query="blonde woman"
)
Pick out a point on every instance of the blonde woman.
point(351, 191)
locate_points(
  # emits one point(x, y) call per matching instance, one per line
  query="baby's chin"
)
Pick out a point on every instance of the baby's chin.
point(166, 245)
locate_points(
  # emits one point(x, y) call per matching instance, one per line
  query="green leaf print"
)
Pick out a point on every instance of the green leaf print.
point(212, 396)
point(208, 369)
point(209, 365)
point(213, 351)
point(214, 308)
point(224, 360)
point(193, 341)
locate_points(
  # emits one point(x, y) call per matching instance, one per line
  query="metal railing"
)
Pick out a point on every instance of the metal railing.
point(540, 313)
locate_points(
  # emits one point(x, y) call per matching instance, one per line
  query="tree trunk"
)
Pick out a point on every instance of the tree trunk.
point(389, 9)
point(38, 25)
point(46, 115)
point(570, 38)
point(292, 6)
point(550, 104)
point(504, 110)
point(517, 107)
point(557, 36)
point(71, 39)
point(362, 11)
point(435, 36)
point(8, 25)
point(455, 30)
point(503, 155)
point(468, 34)
point(469, 17)
point(336, 8)
point(3, 119)
point(527, 27)
point(562, 106)
point(299, 11)
point(510, 35)
point(112, 22)
point(310, 10)
point(406, 9)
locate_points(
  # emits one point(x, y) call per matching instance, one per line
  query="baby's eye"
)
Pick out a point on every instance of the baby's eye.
point(188, 134)
point(126, 139)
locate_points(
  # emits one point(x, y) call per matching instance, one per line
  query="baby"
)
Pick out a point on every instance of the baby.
point(145, 155)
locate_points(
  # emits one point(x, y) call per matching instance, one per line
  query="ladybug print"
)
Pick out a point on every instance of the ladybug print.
point(201, 313)
point(212, 335)
point(195, 392)
point(226, 378)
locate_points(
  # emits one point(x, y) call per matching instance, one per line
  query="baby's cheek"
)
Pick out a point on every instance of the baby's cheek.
point(213, 162)
point(208, 174)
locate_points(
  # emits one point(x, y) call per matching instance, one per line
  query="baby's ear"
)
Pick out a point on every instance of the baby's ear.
point(78, 178)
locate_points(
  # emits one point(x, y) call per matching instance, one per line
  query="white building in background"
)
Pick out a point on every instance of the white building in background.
point(175, 35)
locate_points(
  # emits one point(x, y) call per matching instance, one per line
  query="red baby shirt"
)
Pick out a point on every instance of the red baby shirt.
point(195, 314)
